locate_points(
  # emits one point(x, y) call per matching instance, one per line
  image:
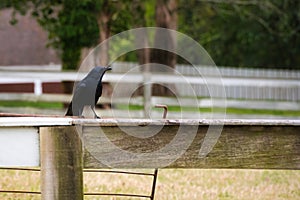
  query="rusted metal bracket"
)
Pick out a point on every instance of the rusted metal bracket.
point(165, 107)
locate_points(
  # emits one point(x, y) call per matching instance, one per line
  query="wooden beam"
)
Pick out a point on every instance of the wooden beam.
point(268, 144)
point(251, 144)
point(61, 163)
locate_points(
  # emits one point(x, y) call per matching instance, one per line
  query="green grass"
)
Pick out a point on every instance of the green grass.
point(291, 113)
point(193, 184)
point(239, 111)
point(32, 104)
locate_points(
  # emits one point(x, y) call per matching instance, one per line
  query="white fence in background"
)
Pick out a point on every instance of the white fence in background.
point(239, 83)
point(255, 87)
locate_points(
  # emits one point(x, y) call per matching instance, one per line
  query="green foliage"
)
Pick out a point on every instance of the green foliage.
point(245, 33)
point(20, 6)
point(235, 33)
point(72, 24)
point(70, 28)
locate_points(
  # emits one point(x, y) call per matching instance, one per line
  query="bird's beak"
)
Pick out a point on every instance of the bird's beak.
point(108, 68)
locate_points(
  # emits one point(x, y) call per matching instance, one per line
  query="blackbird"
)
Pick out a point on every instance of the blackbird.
point(87, 92)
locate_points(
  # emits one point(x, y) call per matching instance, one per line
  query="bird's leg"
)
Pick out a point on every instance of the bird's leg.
point(95, 115)
point(80, 114)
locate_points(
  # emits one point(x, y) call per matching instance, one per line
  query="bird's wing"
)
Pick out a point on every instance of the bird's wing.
point(79, 99)
point(85, 93)
point(80, 90)
point(69, 110)
point(98, 91)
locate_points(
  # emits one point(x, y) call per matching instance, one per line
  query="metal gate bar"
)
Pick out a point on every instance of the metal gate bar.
point(121, 194)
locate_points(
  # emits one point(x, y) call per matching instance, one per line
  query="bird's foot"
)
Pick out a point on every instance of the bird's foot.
point(97, 117)
point(81, 116)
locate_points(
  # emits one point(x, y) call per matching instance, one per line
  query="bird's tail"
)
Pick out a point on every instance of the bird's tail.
point(69, 111)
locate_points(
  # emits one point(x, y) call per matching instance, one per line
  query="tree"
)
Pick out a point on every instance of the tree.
point(245, 32)
point(69, 24)
point(75, 24)
point(112, 17)
point(165, 17)
point(165, 14)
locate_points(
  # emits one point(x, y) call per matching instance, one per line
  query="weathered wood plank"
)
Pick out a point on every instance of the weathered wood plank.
point(146, 122)
point(61, 163)
point(254, 145)
point(271, 144)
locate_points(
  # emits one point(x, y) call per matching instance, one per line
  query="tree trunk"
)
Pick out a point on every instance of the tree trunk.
point(102, 55)
point(103, 20)
point(166, 17)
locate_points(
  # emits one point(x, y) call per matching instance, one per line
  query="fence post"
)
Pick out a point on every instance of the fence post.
point(61, 163)
point(147, 95)
point(38, 87)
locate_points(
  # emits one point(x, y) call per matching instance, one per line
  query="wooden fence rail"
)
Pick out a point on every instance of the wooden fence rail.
point(64, 146)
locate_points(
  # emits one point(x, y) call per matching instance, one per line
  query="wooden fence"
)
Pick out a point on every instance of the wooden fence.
point(61, 147)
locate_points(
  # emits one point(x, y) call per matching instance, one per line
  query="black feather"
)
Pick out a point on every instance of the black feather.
point(87, 92)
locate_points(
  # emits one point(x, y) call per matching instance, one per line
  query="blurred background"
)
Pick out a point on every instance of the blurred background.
point(255, 44)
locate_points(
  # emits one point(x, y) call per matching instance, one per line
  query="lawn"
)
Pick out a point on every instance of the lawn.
point(174, 184)
point(32, 104)
point(236, 111)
